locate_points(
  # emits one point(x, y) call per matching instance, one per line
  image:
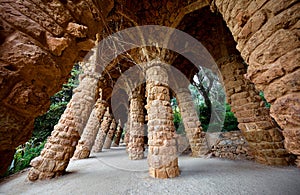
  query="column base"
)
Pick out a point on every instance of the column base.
point(165, 172)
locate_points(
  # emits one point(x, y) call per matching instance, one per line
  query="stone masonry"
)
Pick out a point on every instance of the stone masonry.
point(118, 135)
point(262, 134)
point(267, 36)
point(110, 135)
point(191, 123)
point(83, 149)
point(60, 146)
point(162, 153)
point(137, 118)
point(104, 128)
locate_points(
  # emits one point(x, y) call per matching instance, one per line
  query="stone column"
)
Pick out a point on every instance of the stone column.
point(191, 122)
point(162, 153)
point(263, 135)
point(60, 146)
point(83, 149)
point(118, 135)
point(137, 119)
point(110, 135)
point(127, 130)
point(104, 128)
point(268, 40)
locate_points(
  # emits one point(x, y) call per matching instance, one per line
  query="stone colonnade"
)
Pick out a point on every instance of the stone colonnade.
point(110, 135)
point(104, 128)
point(90, 131)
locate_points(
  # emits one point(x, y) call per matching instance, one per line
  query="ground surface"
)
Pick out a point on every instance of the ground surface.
point(110, 172)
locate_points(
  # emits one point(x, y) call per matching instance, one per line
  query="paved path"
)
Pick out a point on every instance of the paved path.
point(110, 172)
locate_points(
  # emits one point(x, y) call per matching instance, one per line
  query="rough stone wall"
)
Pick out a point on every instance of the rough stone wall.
point(39, 43)
point(162, 153)
point(262, 134)
point(60, 146)
point(118, 135)
point(191, 123)
point(137, 119)
point(104, 128)
point(84, 146)
point(231, 145)
point(267, 35)
point(110, 135)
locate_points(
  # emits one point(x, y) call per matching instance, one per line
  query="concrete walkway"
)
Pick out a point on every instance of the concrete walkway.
point(110, 172)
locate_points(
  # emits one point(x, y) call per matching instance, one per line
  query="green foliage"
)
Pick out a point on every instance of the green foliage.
point(44, 124)
point(230, 122)
point(24, 154)
point(203, 113)
point(267, 104)
point(177, 117)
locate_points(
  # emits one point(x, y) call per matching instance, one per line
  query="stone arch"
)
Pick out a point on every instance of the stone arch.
point(267, 38)
point(261, 29)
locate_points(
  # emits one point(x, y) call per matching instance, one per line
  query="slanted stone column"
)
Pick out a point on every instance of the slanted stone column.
point(110, 135)
point(255, 122)
point(104, 128)
point(191, 122)
point(137, 119)
point(83, 149)
point(118, 135)
point(162, 153)
point(126, 137)
point(60, 146)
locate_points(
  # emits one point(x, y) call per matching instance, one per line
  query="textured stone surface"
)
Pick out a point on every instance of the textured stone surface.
point(60, 146)
point(162, 150)
point(118, 134)
point(231, 145)
point(262, 134)
point(90, 131)
point(192, 125)
point(266, 45)
point(104, 128)
point(110, 135)
point(135, 145)
point(37, 55)
point(41, 40)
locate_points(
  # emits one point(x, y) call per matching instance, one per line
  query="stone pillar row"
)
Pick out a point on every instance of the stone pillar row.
point(192, 124)
point(60, 146)
point(110, 135)
point(104, 128)
point(83, 149)
point(162, 152)
point(135, 145)
point(262, 134)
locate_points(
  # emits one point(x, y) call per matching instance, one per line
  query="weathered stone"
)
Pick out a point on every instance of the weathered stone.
point(90, 131)
point(104, 128)
point(118, 134)
point(254, 121)
point(162, 152)
point(135, 146)
point(110, 135)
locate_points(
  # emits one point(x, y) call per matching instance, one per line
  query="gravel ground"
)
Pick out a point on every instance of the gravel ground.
point(110, 172)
